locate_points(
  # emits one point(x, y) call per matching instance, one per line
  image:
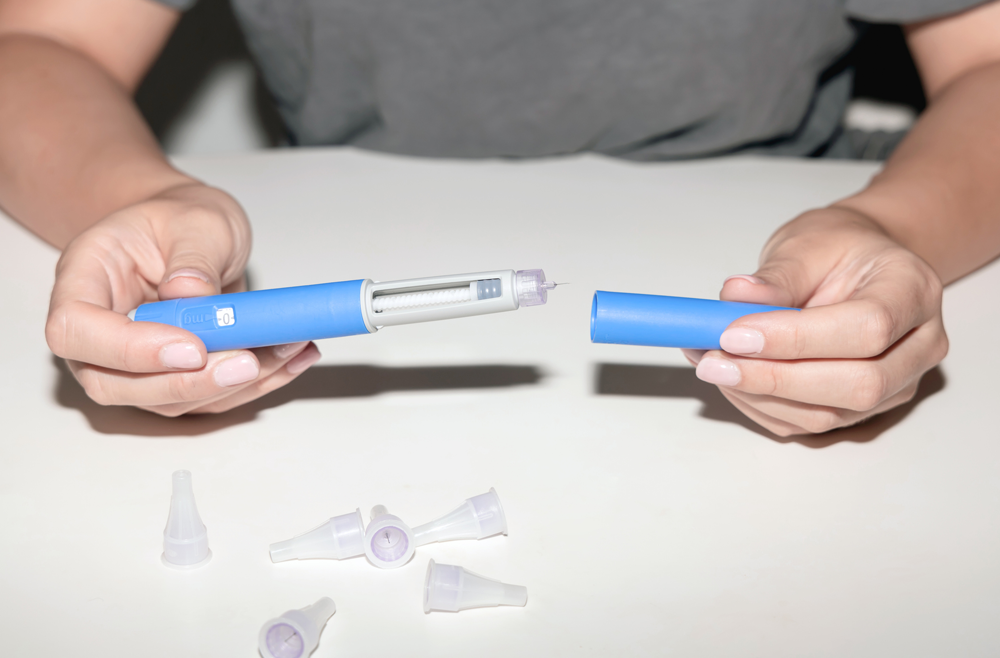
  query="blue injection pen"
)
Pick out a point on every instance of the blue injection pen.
point(259, 318)
point(658, 321)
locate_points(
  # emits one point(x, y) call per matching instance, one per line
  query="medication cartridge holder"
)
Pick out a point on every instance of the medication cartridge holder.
point(487, 292)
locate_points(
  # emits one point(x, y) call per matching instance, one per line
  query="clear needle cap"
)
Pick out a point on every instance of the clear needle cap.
point(451, 588)
point(478, 517)
point(339, 538)
point(185, 539)
point(295, 634)
point(389, 542)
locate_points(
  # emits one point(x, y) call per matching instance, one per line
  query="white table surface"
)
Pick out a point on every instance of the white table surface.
point(646, 516)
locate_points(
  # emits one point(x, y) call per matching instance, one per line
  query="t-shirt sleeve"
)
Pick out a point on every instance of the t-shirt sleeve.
point(905, 11)
point(183, 5)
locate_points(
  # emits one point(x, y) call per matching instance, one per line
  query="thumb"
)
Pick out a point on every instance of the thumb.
point(188, 282)
point(204, 249)
point(792, 268)
point(780, 281)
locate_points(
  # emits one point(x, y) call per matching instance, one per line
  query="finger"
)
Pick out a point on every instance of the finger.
point(785, 417)
point(857, 384)
point(271, 359)
point(82, 331)
point(770, 423)
point(87, 320)
point(800, 257)
point(860, 298)
point(866, 325)
point(292, 367)
point(693, 356)
point(260, 388)
point(225, 370)
point(226, 373)
point(752, 289)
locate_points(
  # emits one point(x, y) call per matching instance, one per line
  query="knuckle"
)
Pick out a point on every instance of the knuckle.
point(932, 285)
point(822, 420)
point(180, 388)
point(940, 349)
point(95, 387)
point(781, 430)
point(878, 332)
point(214, 408)
point(766, 379)
point(799, 341)
point(167, 411)
point(869, 388)
point(124, 355)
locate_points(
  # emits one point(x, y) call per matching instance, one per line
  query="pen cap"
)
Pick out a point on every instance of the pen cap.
point(659, 321)
point(339, 538)
point(295, 634)
point(478, 517)
point(451, 588)
point(185, 539)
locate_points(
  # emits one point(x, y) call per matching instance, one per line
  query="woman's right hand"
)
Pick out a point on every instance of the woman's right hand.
point(188, 241)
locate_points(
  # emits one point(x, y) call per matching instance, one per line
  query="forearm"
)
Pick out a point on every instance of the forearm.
point(73, 147)
point(938, 194)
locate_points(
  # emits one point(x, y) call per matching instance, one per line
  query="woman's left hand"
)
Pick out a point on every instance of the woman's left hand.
point(870, 328)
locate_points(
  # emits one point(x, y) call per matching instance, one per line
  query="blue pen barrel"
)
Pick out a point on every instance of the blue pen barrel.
point(657, 321)
point(244, 320)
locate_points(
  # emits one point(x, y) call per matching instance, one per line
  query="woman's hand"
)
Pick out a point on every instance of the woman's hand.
point(190, 240)
point(870, 328)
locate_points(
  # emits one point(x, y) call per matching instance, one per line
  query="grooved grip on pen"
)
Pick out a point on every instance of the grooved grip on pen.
point(659, 321)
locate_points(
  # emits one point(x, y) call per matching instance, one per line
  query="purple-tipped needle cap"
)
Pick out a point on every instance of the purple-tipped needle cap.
point(295, 634)
point(531, 287)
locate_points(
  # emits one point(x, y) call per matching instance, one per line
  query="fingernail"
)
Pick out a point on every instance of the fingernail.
point(742, 341)
point(189, 272)
point(303, 361)
point(718, 371)
point(236, 370)
point(745, 277)
point(282, 351)
point(183, 356)
point(694, 356)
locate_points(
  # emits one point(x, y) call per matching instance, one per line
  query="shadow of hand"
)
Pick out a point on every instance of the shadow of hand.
point(681, 382)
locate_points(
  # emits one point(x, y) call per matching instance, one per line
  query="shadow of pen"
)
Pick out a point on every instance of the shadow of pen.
point(321, 382)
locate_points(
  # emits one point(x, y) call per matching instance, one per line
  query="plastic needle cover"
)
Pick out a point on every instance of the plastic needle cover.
point(451, 588)
point(339, 538)
point(388, 541)
point(185, 539)
point(478, 517)
point(295, 633)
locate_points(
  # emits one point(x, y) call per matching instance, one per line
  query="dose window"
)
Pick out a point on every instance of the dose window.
point(225, 317)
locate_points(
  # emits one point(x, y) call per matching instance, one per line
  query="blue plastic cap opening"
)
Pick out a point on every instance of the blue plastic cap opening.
point(593, 319)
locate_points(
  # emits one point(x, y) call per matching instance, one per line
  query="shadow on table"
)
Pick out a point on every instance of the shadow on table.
point(317, 383)
point(681, 382)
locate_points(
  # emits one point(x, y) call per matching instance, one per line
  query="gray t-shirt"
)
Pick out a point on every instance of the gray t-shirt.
point(642, 79)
